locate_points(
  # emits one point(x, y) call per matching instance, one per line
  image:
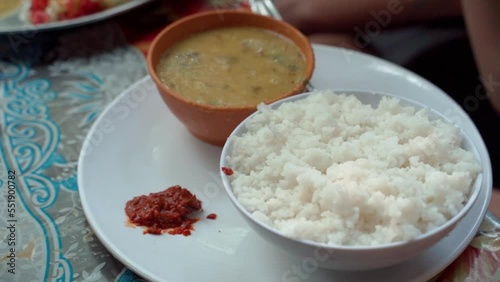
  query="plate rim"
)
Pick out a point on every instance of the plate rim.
point(485, 196)
point(96, 228)
point(88, 19)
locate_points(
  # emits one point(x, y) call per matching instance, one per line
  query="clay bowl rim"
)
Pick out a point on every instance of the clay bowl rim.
point(299, 88)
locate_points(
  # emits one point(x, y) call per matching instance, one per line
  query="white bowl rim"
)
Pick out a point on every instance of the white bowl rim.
point(473, 195)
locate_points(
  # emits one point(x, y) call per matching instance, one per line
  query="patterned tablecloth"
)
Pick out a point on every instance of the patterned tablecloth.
point(52, 88)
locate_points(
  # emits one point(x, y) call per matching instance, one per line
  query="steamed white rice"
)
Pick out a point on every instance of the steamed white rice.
point(333, 170)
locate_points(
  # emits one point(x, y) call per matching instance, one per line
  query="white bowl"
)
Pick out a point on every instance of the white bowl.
point(353, 257)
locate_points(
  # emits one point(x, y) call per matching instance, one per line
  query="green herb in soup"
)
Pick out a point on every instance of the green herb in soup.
point(237, 66)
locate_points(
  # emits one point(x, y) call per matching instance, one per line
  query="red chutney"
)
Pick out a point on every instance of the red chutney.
point(212, 216)
point(227, 171)
point(167, 211)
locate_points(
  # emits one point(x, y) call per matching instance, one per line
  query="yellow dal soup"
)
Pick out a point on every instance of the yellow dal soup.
point(236, 66)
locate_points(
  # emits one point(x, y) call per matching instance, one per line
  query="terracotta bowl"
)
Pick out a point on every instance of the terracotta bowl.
point(214, 124)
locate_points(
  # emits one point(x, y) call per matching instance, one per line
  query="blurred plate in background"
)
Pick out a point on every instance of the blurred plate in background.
point(10, 21)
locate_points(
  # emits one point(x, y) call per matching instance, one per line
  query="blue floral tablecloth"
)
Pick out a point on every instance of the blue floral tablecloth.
point(50, 94)
point(52, 88)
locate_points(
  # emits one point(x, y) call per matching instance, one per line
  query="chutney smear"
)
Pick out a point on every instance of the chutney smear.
point(212, 216)
point(170, 211)
point(227, 171)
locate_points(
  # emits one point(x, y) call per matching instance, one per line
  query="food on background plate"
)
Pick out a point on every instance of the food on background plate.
point(8, 6)
point(330, 169)
point(45, 11)
point(170, 211)
point(233, 66)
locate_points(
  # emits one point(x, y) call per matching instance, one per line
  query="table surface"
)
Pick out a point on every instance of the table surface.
point(53, 86)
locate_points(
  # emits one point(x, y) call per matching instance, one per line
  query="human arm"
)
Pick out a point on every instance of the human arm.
point(482, 19)
point(318, 16)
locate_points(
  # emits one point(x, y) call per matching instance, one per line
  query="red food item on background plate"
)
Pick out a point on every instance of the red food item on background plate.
point(69, 9)
point(39, 4)
point(79, 8)
point(38, 12)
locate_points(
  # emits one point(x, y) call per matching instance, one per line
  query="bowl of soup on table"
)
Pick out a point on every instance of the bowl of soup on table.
point(212, 69)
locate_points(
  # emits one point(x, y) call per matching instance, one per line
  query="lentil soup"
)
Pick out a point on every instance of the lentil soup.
point(235, 66)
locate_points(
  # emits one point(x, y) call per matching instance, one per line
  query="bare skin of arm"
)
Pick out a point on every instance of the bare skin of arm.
point(482, 18)
point(320, 16)
point(333, 22)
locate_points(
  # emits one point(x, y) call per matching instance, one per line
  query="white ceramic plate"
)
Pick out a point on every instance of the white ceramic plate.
point(13, 24)
point(138, 147)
